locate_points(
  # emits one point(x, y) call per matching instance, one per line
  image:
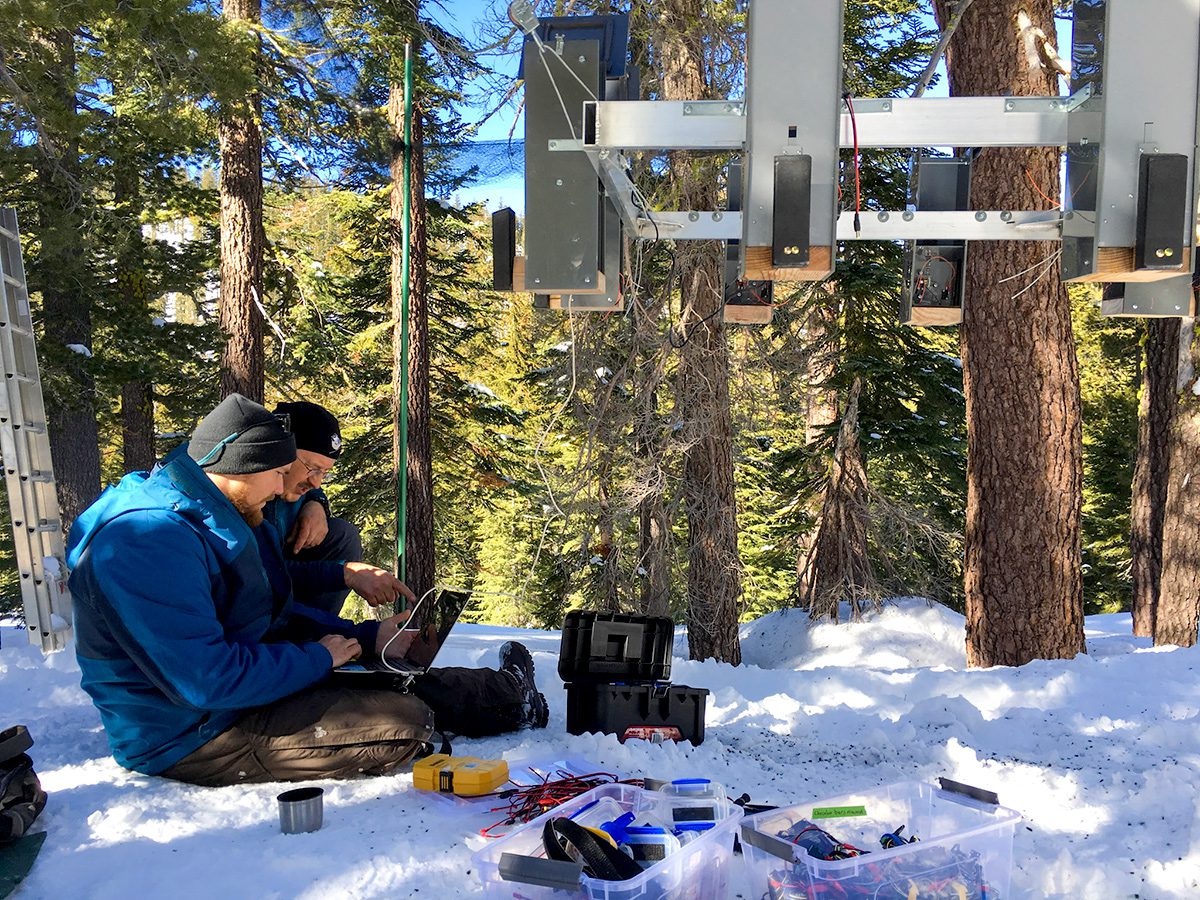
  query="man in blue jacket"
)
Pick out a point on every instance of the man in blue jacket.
point(202, 665)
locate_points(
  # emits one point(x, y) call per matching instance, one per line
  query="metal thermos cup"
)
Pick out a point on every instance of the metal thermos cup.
point(300, 810)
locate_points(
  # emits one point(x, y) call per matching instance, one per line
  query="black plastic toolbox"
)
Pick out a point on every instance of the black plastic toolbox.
point(604, 647)
point(649, 709)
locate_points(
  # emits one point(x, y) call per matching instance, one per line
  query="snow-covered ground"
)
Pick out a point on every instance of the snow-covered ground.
point(1101, 755)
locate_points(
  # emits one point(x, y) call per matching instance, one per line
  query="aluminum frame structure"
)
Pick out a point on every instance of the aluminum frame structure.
point(1135, 95)
point(28, 469)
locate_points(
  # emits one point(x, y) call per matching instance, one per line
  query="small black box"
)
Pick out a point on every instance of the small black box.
point(790, 222)
point(504, 248)
point(617, 708)
point(611, 647)
point(1161, 211)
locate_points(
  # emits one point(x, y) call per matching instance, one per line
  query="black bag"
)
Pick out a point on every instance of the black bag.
point(21, 796)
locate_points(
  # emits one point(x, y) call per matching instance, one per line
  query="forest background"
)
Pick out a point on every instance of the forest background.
point(559, 443)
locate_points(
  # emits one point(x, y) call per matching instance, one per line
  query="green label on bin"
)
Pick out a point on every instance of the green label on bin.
point(838, 812)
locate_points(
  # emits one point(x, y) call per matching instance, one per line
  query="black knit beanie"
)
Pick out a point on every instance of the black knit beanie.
point(315, 428)
point(240, 437)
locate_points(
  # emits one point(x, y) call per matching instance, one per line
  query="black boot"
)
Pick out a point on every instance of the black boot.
point(516, 661)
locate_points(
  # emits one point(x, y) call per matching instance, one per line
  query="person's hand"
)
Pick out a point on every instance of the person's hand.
point(375, 585)
point(342, 649)
point(417, 647)
point(396, 646)
point(310, 528)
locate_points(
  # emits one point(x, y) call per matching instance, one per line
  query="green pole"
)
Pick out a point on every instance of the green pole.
point(405, 241)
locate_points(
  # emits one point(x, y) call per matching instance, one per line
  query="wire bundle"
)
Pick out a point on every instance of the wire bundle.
point(527, 803)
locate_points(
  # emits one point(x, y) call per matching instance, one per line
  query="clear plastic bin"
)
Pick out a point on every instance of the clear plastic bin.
point(964, 847)
point(515, 867)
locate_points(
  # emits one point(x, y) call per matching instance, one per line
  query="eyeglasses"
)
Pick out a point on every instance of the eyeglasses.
point(314, 470)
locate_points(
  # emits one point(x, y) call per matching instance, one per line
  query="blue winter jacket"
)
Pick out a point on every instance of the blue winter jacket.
point(282, 514)
point(184, 616)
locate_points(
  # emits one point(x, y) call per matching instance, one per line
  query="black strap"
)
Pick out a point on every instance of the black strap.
point(601, 859)
point(427, 748)
point(13, 742)
point(21, 798)
point(446, 748)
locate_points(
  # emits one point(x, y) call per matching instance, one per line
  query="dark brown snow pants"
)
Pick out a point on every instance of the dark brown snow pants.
point(328, 732)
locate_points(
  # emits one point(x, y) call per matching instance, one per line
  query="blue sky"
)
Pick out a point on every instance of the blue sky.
point(469, 18)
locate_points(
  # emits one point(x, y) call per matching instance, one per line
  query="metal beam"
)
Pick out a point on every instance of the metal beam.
point(978, 225)
point(957, 122)
point(900, 225)
point(720, 225)
point(718, 125)
point(667, 124)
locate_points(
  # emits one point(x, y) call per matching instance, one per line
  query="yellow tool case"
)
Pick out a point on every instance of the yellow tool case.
point(465, 776)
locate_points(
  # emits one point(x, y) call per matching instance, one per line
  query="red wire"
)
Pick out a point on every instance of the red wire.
point(857, 179)
point(1029, 175)
point(529, 802)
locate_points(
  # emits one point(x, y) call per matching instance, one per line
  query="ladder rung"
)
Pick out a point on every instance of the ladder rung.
point(16, 329)
point(40, 477)
point(48, 528)
point(21, 377)
point(33, 427)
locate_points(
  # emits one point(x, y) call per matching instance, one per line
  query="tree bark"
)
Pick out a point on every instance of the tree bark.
point(822, 412)
point(418, 546)
point(714, 567)
point(60, 276)
point(1156, 414)
point(1023, 579)
point(137, 394)
point(610, 597)
point(654, 526)
point(242, 238)
point(1178, 609)
point(838, 565)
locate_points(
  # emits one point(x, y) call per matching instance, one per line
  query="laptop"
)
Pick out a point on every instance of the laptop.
point(430, 624)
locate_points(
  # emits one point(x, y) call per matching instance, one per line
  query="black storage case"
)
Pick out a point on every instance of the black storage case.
point(612, 708)
point(603, 647)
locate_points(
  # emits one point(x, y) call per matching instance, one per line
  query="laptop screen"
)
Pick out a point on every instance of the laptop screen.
point(432, 620)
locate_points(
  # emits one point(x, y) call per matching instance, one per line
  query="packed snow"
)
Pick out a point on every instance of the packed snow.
point(1100, 755)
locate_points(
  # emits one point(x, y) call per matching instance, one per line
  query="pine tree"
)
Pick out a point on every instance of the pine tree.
point(1024, 491)
point(1176, 615)
point(1156, 414)
point(242, 235)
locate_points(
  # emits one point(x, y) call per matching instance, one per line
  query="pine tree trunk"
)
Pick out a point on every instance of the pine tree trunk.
point(714, 567)
point(822, 399)
point(242, 238)
point(137, 394)
point(654, 526)
point(137, 426)
point(821, 413)
point(66, 304)
point(1178, 609)
point(838, 566)
point(1156, 414)
point(610, 598)
point(1023, 580)
point(418, 545)
point(654, 535)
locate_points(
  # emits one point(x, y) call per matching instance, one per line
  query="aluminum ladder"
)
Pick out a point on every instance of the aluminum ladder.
point(28, 470)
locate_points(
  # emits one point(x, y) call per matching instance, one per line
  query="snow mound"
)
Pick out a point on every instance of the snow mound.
point(907, 633)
